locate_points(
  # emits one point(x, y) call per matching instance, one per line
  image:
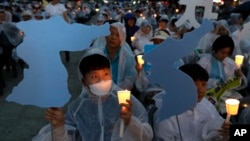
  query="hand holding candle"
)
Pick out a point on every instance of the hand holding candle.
point(232, 106)
point(122, 97)
point(239, 60)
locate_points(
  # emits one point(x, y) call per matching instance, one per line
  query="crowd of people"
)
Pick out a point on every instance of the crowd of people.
point(110, 64)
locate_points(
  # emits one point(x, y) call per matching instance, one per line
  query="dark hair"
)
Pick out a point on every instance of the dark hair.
point(195, 71)
point(93, 62)
point(110, 21)
point(223, 41)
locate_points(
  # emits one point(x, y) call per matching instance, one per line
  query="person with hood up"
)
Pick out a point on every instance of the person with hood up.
point(142, 37)
point(131, 27)
point(119, 54)
point(96, 113)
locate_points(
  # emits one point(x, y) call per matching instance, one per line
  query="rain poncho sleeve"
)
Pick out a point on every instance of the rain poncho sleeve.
point(141, 81)
point(126, 70)
point(98, 119)
point(198, 124)
point(228, 66)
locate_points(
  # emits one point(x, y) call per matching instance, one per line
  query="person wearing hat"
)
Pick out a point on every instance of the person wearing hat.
point(163, 22)
point(142, 37)
point(26, 15)
point(159, 36)
point(100, 19)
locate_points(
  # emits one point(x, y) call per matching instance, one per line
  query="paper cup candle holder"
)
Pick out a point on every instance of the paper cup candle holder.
point(122, 97)
point(232, 106)
point(140, 60)
point(239, 60)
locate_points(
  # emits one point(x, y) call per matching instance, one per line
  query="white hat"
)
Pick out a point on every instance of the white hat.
point(160, 34)
point(164, 18)
point(26, 13)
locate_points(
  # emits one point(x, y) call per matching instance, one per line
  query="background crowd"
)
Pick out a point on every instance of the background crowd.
point(132, 26)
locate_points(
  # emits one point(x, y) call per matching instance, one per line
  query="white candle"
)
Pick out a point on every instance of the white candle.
point(140, 60)
point(122, 97)
point(232, 106)
point(121, 128)
point(239, 60)
point(132, 38)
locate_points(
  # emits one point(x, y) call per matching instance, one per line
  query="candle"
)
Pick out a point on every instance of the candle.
point(232, 106)
point(239, 60)
point(122, 97)
point(132, 38)
point(140, 60)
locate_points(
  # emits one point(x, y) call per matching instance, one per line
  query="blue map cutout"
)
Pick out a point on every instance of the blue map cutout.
point(181, 93)
point(45, 82)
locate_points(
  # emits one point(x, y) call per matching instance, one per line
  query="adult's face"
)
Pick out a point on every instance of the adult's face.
point(222, 53)
point(113, 40)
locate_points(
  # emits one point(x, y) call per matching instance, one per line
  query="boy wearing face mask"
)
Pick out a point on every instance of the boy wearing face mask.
point(96, 113)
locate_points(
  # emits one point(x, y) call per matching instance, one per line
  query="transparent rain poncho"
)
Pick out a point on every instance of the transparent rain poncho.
point(10, 35)
point(97, 118)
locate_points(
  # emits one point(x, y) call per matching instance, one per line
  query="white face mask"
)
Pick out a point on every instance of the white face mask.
point(101, 88)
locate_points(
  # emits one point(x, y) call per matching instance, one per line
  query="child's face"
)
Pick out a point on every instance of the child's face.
point(97, 76)
point(201, 89)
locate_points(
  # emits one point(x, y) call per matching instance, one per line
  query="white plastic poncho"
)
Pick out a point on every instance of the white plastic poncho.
point(126, 70)
point(141, 39)
point(199, 124)
point(227, 70)
point(97, 118)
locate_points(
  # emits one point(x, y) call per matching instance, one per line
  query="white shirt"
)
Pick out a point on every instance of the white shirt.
point(55, 10)
point(199, 124)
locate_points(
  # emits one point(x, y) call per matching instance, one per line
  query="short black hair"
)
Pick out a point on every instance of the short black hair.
point(195, 71)
point(93, 62)
point(223, 41)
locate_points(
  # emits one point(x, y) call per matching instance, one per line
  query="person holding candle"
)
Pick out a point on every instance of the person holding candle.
point(201, 123)
point(221, 68)
point(142, 37)
point(96, 113)
point(130, 26)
